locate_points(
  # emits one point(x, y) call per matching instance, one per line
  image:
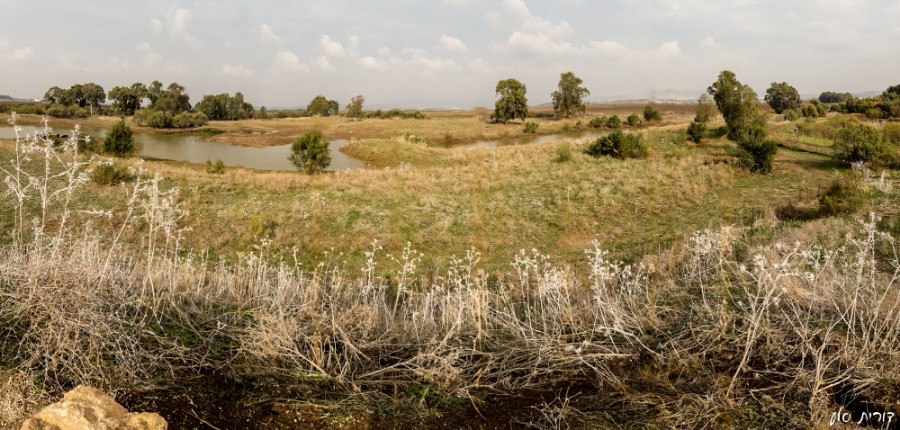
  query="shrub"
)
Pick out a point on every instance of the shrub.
point(597, 122)
point(309, 153)
point(159, 119)
point(695, 131)
point(531, 127)
point(216, 168)
point(792, 114)
point(111, 174)
point(614, 122)
point(651, 114)
point(188, 120)
point(858, 142)
point(619, 145)
point(119, 141)
point(891, 133)
point(563, 154)
point(755, 156)
point(633, 121)
point(845, 196)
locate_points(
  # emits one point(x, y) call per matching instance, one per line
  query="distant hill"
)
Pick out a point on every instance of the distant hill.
point(5, 97)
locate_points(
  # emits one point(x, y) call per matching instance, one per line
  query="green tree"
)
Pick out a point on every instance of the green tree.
point(355, 107)
point(512, 103)
point(746, 125)
point(568, 99)
point(54, 95)
point(173, 100)
point(309, 153)
point(93, 95)
point(153, 92)
point(119, 141)
point(319, 105)
point(126, 100)
point(833, 97)
point(781, 97)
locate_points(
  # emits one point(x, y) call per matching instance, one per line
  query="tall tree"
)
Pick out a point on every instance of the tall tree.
point(569, 96)
point(512, 103)
point(746, 125)
point(355, 108)
point(153, 92)
point(781, 97)
point(54, 95)
point(126, 100)
point(93, 95)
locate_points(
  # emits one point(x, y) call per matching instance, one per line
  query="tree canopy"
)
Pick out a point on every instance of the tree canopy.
point(568, 99)
point(512, 103)
point(319, 105)
point(781, 97)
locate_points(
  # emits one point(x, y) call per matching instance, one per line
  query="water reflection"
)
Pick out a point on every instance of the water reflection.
point(199, 149)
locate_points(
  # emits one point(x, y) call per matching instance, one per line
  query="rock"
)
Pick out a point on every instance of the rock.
point(86, 408)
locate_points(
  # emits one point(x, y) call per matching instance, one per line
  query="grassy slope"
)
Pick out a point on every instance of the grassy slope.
point(498, 201)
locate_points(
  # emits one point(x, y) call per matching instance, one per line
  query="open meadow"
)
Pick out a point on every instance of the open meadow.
point(453, 283)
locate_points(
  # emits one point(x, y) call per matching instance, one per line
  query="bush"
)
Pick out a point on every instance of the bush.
point(845, 196)
point(531, 127)
point(216, 168)
point(792, 114)
point(309, 153)
point(159, 119)
point(891, 133)
point(614, 122)
point(563, 154)
point(597, 122)
point(754, 155)
point(633, 121)
point(651, 114)
point(858, 142)
point(188, 120)
point(111, 174)
point(60, 111)
point(695, 131)
point(619, 145)
point(119, 141)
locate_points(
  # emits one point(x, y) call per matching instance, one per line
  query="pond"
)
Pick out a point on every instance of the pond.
point(199, 148)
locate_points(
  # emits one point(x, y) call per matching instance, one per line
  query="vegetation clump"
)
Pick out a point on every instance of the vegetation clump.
point(119, 140)
point(310, 154)
point(110, 173)
point(782, 97)
point(862, 143)
point(619, 145)
point(531, 127)
point(745, 123)
point(651, 114)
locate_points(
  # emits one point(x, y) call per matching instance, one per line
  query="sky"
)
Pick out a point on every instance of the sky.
point(446, 53)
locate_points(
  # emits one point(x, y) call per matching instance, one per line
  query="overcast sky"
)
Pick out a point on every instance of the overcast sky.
point(443, 53)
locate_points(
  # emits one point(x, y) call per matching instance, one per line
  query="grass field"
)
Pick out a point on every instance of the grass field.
point(445, 285)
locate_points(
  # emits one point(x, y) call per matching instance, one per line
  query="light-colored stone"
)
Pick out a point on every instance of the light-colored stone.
point(86, 408)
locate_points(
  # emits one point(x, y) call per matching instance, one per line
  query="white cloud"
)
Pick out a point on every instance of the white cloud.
point(539, 44)
point(669, 50)
point(371, 63)
point(609, 48)
point(287, 60)
point(148, 56)
point(18, 54)
point(533, 23)
point(421, 65)
point(353, 46)
point(323, 63)
point(268, 35)
point(452, 44)
point(178, 20)
point(384, 50)
point(236, 71)
point(155, 25)
point(708, 42)
point(332, 48)
point(479, 66)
